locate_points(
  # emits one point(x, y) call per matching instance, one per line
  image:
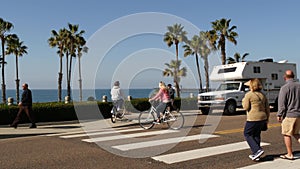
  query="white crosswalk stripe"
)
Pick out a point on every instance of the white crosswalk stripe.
point(203, 152)
point(100, 133)
point(132, 146)
point(277, 164)
point(123, 136)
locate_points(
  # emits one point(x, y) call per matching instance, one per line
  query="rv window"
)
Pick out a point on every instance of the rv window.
point(256, 69)
point(228, 86)
point(274, 76)
point(227, 70)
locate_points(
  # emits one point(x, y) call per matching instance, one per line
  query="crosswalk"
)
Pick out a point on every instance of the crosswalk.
point(121, 140)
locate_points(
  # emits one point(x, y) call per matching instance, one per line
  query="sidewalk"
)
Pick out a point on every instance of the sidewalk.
point(45, 128)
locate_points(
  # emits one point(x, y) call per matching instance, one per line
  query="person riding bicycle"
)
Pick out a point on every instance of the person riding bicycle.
point(117, 95)
point(164, 98)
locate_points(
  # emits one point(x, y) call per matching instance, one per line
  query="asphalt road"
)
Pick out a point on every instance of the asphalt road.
point(66, 146)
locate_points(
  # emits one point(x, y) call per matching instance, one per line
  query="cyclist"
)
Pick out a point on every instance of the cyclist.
point(164, 98)
point(117, 95)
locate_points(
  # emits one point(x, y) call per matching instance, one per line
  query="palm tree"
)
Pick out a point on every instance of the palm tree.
point(204, 52)
point(236, 58)
point(73, 42)
point(58, 39)
point(223, 31)
point(5, 27)
point(192, 47)
point(174, 70)
point(16, 47)
point(175, 35)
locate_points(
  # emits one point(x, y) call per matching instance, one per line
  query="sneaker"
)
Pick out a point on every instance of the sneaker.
point(32, 126)
point(251, 157)
point(156, 121)
point(257, 154)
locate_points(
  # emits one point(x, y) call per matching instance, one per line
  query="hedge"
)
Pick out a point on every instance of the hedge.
point(53, 111)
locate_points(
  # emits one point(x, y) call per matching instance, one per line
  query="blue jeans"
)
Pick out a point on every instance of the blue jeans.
point(252, 133)
point(161, 108)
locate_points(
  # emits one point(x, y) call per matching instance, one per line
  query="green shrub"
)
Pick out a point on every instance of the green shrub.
point(53, 111)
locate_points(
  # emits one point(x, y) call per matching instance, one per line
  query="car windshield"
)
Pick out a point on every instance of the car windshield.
point(228, 86)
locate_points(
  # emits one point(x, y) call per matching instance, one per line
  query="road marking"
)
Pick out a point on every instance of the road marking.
point(203, 152)
point(242, 129)
point(101, 133)
point(122, 136)
point(132, 146)
point(64, 133)
point(277, 163)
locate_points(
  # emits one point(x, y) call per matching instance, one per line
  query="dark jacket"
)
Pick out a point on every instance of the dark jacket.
point(26, 98)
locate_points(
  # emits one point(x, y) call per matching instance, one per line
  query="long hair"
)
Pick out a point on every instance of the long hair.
point(255, 84)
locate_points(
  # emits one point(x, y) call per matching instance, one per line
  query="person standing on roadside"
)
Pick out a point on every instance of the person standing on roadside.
point(257, 106)
point(289, 112)
point(172, 95)
point(25, 105)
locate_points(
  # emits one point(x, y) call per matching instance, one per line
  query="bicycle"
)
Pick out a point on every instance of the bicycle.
point(174, 119)
point(117, 114)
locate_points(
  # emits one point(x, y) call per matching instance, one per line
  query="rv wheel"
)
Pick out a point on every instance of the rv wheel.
point(230, 107)
point(204, 111)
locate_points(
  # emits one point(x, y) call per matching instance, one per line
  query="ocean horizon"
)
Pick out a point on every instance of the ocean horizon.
point(51, 95)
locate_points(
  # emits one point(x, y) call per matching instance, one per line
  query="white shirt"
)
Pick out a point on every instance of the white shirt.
point(116, 93)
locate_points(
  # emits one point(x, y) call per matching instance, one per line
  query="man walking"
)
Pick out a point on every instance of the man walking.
point(25, 105)
point(289, 112)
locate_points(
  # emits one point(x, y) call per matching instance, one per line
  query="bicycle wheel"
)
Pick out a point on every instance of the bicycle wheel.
point(121, 113)
point(146, 119)
point(175, 120)
point(113, 117)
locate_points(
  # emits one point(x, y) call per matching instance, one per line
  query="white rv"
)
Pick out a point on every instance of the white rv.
point(228, 96)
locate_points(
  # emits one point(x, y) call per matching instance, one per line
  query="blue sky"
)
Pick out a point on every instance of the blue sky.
point(267, 29)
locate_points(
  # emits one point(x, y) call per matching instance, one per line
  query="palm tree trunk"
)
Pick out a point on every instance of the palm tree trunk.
point(17, 80)
point(80, 81)
point(69, 81)
point(67, 65)
point(60, 76)
point(206, 69)
point(3, 86)
point(176, 71)
point(199, 73)
point(223, 52)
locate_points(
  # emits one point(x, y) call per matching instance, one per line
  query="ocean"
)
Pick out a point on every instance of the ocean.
point(51, 95)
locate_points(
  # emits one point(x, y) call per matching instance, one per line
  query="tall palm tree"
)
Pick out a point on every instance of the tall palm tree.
point(16, 47)
point(223, 31)
point(175, 35)
point(5, 27)
point(73, 42)
point(236, 58)
point(79, 54)
point(192, 47)
point(204, 52)
point(173, 70)
point(58, 40)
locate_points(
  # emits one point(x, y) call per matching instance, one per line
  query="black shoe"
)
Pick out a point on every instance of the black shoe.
point(13, 125)
point(32, 126)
